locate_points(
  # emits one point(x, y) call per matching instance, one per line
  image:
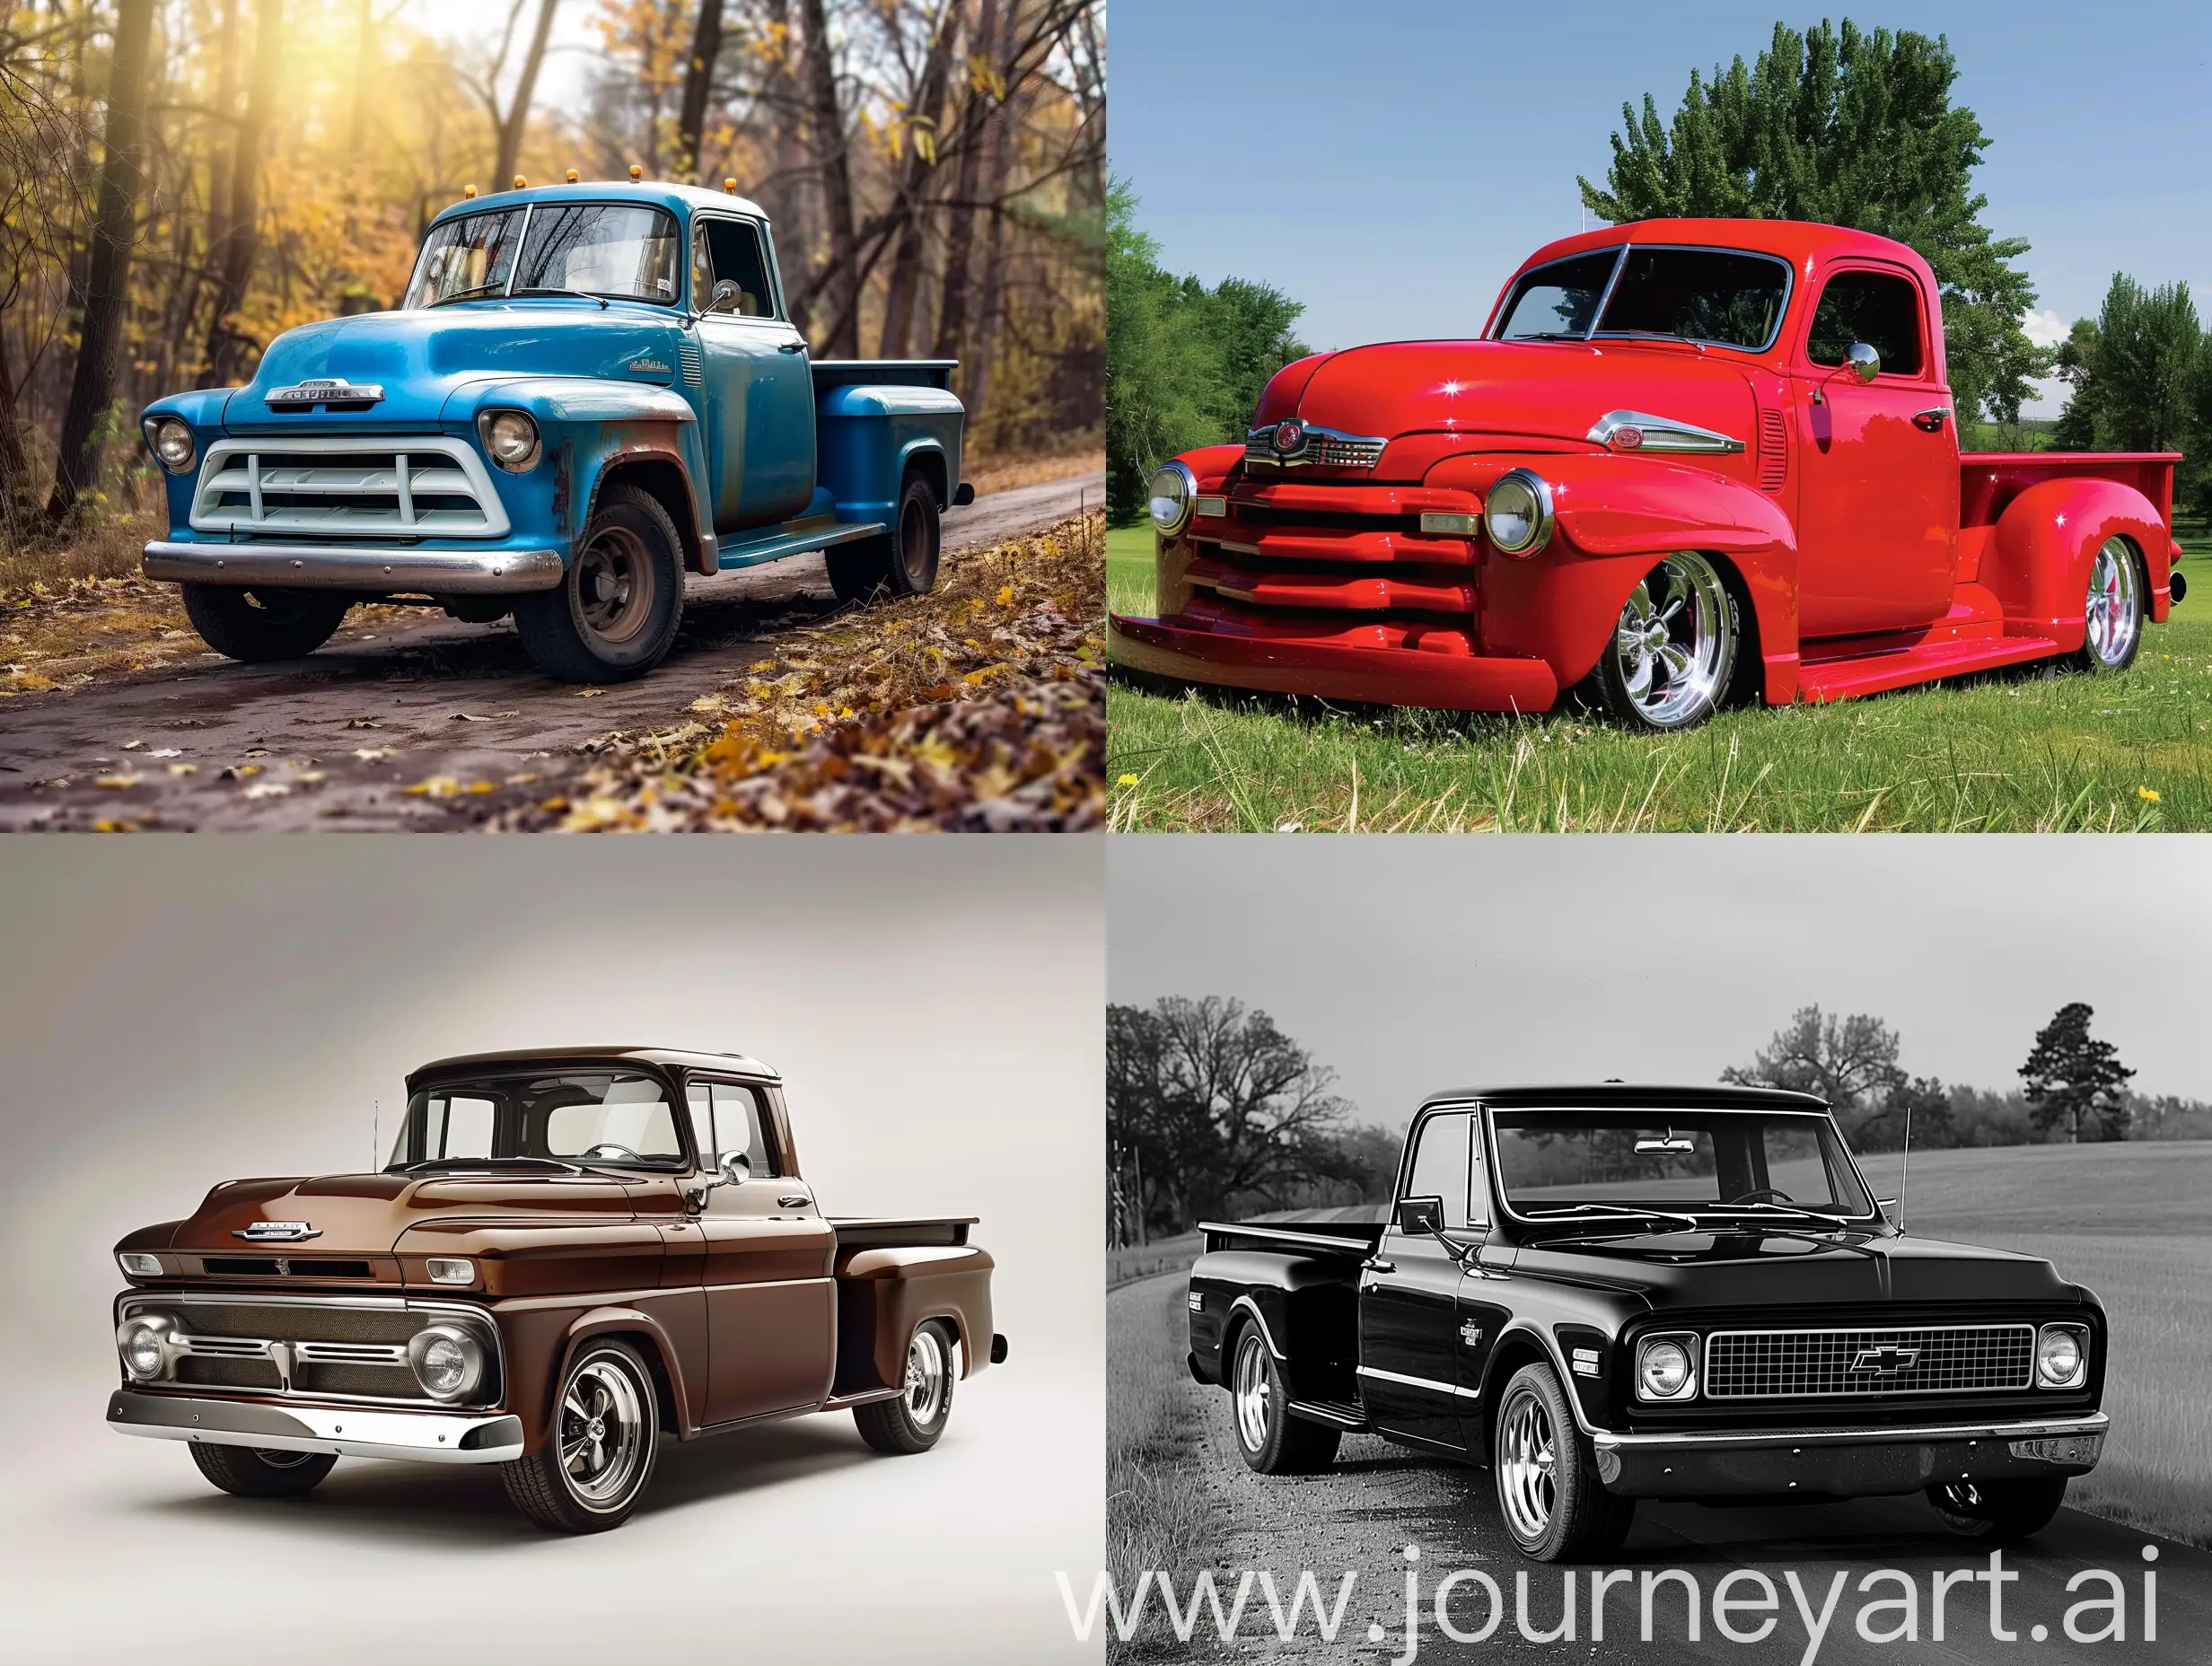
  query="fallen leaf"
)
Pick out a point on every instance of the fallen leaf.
point(118, 781)
point(166, 752)
point(267, 789)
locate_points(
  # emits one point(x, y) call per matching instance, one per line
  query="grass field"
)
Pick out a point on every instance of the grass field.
point(2025, 751)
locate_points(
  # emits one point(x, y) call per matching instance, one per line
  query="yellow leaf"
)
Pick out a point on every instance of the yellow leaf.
point(1126, 781)
point(1006, 595)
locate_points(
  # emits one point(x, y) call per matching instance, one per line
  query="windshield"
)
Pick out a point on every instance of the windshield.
point(604, 1118)
point(622, 252)
point(1589, 1162)
point(1715, 296)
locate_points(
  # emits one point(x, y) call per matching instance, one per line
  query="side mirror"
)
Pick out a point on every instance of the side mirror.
point(1421, 1215)
point(727, 293)
point(736, 1168)
point(1865, 362)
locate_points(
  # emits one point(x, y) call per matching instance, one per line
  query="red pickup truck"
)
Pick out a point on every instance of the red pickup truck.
point(1688, 460)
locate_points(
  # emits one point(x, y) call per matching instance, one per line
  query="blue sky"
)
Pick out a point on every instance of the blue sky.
point(1389, 164)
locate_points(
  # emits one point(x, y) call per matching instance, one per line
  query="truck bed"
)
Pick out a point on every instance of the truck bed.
point(896, 1231)
point(1353, 1240)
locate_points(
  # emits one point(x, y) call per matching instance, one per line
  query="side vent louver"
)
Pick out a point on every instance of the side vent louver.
point(1773, 450)
point(688, 355)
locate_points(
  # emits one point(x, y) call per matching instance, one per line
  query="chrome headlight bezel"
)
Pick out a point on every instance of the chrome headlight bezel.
point(1685, 1344)
point(473, 1360)
point(1174, 485)
point(138, 1263)
point(161, 1330)
point(2079, 1376)
point(183, 450)
point(510, 438)
point(449, 1269)
point(1529, 502)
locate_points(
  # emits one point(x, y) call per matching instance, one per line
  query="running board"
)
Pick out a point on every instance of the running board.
point(1822, 680)
point(1336, 1415)
point(793, 538)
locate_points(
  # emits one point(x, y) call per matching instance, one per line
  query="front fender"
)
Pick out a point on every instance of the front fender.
point(615, 1320)
point(2039, 557)
point(202, 410)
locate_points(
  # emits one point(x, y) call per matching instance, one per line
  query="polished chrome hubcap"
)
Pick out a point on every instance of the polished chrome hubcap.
point(282, 1460)
point(1672, 639)
point(2113, 616)
point(615, 585)
point(925, 1376)
point(1254, 1409)
point(602, 1432)
point(1527, 1458)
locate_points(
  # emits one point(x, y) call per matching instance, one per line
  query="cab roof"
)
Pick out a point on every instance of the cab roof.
point(667, 1058)
point(1806, 244)
point(1626, 1095)
point(655, 193)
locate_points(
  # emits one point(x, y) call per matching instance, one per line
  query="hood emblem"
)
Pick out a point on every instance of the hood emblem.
point(1888, 1360)
point(1288, 436)
point(277, 1232)
point(650, 367)
point(330, 392)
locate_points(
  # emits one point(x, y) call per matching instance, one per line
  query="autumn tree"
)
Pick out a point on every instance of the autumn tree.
point(2076, 1082)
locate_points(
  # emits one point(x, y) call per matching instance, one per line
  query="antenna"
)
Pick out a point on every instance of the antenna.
point(1904, 1173)
point(376, 1133)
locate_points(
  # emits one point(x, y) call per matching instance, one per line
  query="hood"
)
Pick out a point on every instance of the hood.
point(364, 1215)
point(1758, 1268)
point(420, 358)
point(1550, 390)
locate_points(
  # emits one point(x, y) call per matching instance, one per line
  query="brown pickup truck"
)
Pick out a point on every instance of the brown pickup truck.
point(570, 1253)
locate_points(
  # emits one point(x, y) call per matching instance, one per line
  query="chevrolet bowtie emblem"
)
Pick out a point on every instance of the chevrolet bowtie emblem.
point(1887, 1361)
point(277, 1232)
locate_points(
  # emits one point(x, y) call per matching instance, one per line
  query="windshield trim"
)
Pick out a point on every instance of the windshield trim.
point(1503, 1199)
point(1515, 288)
point(506, 292)
point(1621, 262)
point(685, 1163)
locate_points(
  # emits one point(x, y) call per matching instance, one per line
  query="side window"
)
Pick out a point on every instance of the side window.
point(1441, 1164)
point(457, 1125)
point(702, 271)
point(1878, 308)
point(734, 251)
point(726, 1117)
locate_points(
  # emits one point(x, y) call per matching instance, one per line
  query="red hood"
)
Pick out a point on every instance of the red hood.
point(365, 1214)
point(1548, 390)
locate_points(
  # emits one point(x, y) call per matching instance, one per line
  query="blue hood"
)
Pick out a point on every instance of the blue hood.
point(422, 358)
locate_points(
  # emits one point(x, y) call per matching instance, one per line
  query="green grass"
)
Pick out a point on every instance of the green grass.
point(2028, 750)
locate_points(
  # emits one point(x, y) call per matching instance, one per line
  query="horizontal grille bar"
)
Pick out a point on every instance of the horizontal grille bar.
point(1955, 1359)
point(419, 485)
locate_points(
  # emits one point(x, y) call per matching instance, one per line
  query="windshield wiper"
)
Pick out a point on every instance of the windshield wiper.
point(581, 294)
point(1784, 1209)
point(1554, 1210)
point(464, 295)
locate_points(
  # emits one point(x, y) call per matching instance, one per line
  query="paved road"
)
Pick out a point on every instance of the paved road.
point(1380, 1498)
point(329, 741)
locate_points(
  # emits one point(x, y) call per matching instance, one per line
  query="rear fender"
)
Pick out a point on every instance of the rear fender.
point(1306, 1306)
point(884, 1293)
point(868, 433)
point(2039, 558)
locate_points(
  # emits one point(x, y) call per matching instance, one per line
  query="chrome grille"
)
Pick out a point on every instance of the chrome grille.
point(421, 486)
point(1951, 1359)
point(354, 1350)
point(1322, 448)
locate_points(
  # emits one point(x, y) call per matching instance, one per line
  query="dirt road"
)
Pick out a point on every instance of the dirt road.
point(333, 742)
point(1380, 1498)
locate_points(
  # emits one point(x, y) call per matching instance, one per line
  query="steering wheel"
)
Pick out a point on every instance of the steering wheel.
point(1765, 1194)
point(612, 1148)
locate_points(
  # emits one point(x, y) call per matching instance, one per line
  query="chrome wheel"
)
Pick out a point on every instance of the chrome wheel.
point(1673, 642)
point(283, 1460)
point(926, 1374)
point(1528, 1487)
point(1255, 1407)
point(2114, 615)
point(605, 1426)
point(615, 585)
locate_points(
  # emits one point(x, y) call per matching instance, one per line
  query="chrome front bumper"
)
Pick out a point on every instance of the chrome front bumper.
point(1844, 1463)
point(351, 1432)
point(366, 569)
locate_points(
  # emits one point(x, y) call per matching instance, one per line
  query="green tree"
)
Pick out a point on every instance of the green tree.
point(2076, 1082)
point(2138, 371)
point(1853, 128)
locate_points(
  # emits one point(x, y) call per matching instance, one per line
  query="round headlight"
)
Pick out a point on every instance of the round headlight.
point(171, 442)
point(2059, 1358)
point(1661, 1370)
point(1517, 513)
point(448, 1362)
point(1173, 488)
point(143, 1340)
point(511, 437)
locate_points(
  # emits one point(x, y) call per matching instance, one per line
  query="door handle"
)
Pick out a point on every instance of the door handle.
point(1931, 420)
point(791, 346)
point(1375, 1264)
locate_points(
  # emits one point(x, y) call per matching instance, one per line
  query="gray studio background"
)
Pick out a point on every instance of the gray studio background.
point(178, 1012)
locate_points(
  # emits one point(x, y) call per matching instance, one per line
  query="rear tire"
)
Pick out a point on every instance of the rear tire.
point(250, 1473)
point(912, 1421)
point(598, 1456)
point(1999, 1511)
point(2112, 611)
point(257, 626)
point(903, 562)
point(615, 612)
point(1548, 1493)
point(1268, 1437)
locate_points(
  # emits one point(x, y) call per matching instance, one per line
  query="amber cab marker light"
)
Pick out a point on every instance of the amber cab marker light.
point(572, 176)
point(730, 187)
point(636, 173)
point(520, 183)
point(468, 191)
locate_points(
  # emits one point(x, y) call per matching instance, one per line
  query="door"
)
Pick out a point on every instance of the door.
point(1409, 1293)
point(1878, 491)
point(771, 1304)
point(759, 386)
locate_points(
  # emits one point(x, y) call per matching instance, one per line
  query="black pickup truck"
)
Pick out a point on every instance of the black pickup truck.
point(1614, 1292)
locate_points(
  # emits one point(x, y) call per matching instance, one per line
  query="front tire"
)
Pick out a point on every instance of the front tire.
point(1672, 651)
point(250, 1473)
point(912, 1422)
point(1268, 1437)
point(2112, 613)
point(615, 613)
point(594, 1467)
point(2000, 1511)
point(257, 626)
point(903, 562)
point(1548, 1488)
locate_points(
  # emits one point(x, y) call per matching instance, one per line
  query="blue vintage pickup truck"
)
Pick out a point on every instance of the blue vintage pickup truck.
point(588, 390)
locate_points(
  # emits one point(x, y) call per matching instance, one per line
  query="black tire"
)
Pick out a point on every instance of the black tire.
point(2118, 580)
point(615, 612)
point(903, 562)
point(606, 1424)
point(257, 626)
point(1686, 587)
point(1548, 1495)
point(912, 1421)
point(251, 1473)
point(1268, 1437)
point(2000, 1511)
